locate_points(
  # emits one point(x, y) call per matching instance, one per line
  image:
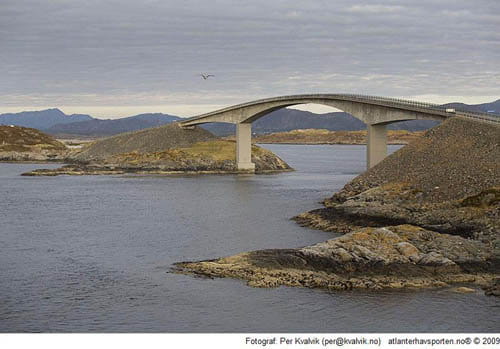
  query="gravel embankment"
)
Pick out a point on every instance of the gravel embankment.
point(456, 159)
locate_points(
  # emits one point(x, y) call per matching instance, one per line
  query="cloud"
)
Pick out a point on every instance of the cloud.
point(111, 52)
point(371, 9)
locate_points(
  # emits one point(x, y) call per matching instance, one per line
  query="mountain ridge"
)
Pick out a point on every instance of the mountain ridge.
point(109, 127)
point(41, 119)
point(56, 122)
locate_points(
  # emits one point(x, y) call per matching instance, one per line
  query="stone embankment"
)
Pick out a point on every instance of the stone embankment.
point(426, 216)
point(27, 144)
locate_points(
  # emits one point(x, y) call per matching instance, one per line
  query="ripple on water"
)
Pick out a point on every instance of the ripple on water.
point(92, 253)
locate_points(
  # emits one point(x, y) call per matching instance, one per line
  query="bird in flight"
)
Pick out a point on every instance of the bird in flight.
point(206, 76)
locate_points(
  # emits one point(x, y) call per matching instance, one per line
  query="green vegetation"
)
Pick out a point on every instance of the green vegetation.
point(214, 150)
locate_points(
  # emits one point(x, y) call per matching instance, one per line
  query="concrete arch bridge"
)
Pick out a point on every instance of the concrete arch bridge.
point(375, 112)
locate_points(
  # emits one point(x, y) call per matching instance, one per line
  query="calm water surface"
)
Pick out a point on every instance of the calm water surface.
point(92, 253)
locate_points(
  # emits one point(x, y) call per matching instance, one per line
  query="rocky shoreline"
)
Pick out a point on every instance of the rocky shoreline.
point(386, 244)
point(33, 155)
point(474, 217)
point(393, 257)
point(320, 136)
point(167, 150)
point(92, 170)
point(209, 157)
point(22, 144)
point(426, 216)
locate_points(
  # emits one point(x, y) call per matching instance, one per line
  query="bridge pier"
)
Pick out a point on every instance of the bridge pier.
point(244, 147)
point(376, 145)
point(374, 111)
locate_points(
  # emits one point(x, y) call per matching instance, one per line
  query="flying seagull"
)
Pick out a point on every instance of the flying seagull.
point(206, 76)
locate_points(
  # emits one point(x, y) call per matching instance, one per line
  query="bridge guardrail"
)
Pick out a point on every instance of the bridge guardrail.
point(427, 106)
point(386, 101)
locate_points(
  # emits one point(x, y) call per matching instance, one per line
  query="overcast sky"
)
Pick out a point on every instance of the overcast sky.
point(122, 57)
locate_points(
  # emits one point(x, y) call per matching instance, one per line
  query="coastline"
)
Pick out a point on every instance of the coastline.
point(426, 216)
point(393, 257)
point(326, 143)
point(322, 136)
point(103, 172)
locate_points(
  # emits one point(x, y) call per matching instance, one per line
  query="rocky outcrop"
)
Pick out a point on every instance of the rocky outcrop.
point(168, 149)
point(493, 288)
point(315, 136)
point(27, 144)
point(475, 217)
point(447, 182)
point(426, 216)
point(217, 156)
point(390, 257)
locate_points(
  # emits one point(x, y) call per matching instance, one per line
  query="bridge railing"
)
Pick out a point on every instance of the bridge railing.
point(387, 101)
point(436, 107)
point(482, 116)
point(396, 101)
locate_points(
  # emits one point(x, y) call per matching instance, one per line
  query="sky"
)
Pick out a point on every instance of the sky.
point(113, 58)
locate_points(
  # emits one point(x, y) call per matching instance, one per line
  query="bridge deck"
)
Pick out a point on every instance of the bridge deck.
point(409, 105)
point(375, 112)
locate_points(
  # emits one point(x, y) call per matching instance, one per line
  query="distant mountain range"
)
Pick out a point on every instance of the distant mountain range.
point(55, 122)
point(284, 120)
point(42, 119)
point(99, 127)
point(492, 107)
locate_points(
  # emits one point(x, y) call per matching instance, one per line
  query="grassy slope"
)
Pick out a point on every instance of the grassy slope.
point(217, 150)
point(23, 139)
point(149, 140)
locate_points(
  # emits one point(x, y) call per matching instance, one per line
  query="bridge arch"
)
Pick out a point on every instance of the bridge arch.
point(370, 110)
point(375, 112)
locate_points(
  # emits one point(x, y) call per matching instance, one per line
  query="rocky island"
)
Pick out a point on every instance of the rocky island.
point(426, 216)
point(321, 136)
point(167, 149)
point(28, 144)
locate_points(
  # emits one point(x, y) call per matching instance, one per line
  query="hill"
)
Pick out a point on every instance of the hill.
point(456, 159)
point(21, 143)
point(144, 141)
point(447, 181)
